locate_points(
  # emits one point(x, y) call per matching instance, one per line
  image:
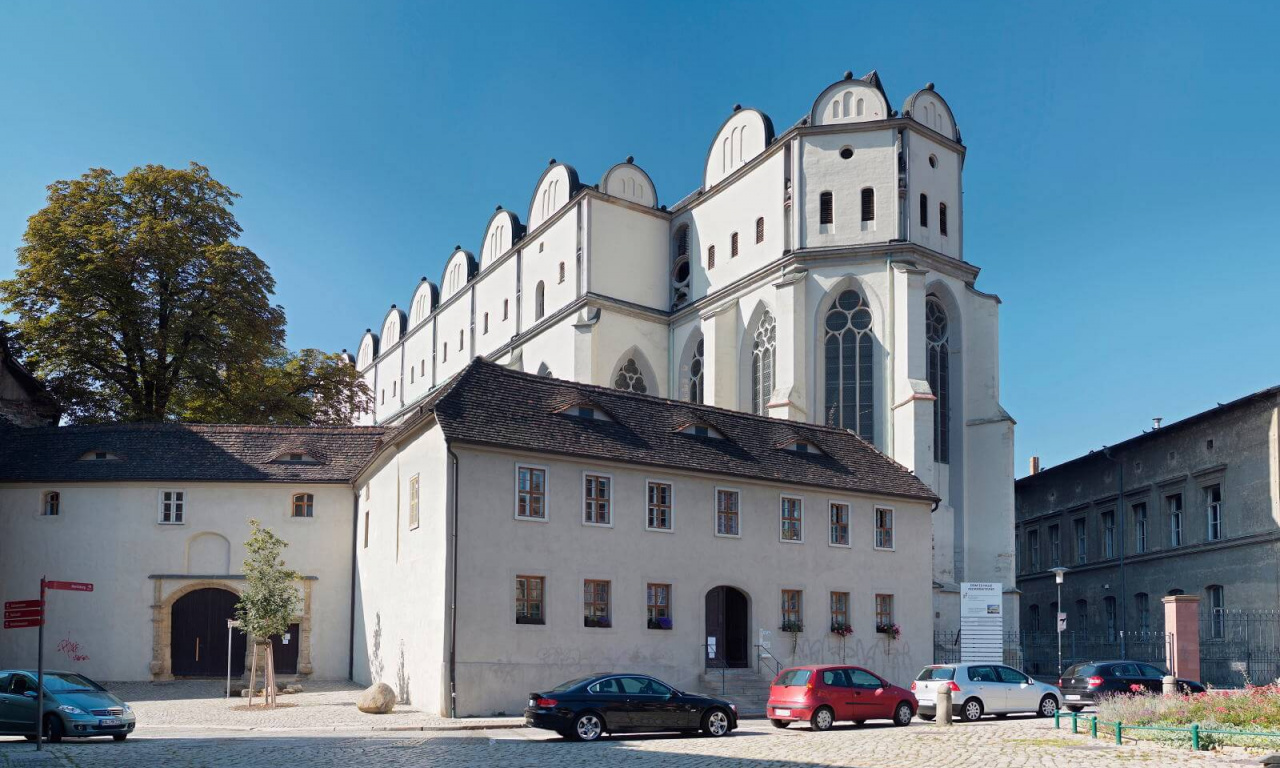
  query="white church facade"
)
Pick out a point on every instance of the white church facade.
point(818, 275)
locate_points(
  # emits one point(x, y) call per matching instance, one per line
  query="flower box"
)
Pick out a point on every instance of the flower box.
point(892, 630)
point(599, 622)
point(841, 629)
point(791, 626)
point(530, 620)
point(663, 623)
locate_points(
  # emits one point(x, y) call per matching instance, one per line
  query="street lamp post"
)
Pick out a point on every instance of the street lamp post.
point(1058, 573)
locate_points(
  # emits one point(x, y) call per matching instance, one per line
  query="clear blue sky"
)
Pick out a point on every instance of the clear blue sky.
point(1121, 180)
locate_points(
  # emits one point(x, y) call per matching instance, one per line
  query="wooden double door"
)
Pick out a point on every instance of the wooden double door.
point(198, 639)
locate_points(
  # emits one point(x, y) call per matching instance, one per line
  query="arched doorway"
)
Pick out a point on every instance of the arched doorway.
point(727, 620)
point(198, 634)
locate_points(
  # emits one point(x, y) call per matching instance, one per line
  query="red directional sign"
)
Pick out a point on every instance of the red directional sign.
point(18, 605)
point(25, 613)
point(20, 623)
point(72, 586)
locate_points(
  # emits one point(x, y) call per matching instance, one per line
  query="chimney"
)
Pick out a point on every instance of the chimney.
point(1155, 423)
point(1035, 465)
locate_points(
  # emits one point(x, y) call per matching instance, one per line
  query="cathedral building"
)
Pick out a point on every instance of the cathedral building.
point(816, 275)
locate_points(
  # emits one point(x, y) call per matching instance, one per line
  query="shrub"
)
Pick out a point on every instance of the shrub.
point(1256, 708)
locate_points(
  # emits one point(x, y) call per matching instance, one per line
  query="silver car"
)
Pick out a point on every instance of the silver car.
point(984, 689)
point(74, 706)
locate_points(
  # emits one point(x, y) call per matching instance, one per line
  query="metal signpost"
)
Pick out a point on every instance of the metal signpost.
point(19, 614)
point(231, 624)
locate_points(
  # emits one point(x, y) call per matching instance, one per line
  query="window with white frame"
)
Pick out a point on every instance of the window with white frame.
point(1173, 505)
point(531, 493)
point(884, 528)
point(413, 502)
point(1213, 511)
point(1140, 527)
point(792, 514)
point(595, 499)
point(839, 524)
point(303, 505)
point(1217, 611)
point(727, 513)
point(1108, 534)
point(172, 507)
point(659, 506)
point(52, 504)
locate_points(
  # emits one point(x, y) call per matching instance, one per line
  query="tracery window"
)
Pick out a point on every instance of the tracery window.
point(762, 360)
point(937, 336)
point(630, 378)
point(850, 374)
point(695, 374)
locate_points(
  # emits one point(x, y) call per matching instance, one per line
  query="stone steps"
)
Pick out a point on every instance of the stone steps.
point(745, 688)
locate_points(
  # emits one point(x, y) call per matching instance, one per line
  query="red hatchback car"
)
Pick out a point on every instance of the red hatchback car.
point(823, 695)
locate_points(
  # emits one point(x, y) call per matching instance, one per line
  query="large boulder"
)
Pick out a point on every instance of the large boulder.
point(377, 699)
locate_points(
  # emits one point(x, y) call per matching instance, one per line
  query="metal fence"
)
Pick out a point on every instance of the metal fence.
point(1239, 648)
point(1036, 653)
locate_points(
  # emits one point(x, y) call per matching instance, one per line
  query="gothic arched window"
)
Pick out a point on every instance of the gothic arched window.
point(850, 374)
point(695, 374)
point(937, 336)
point(539, 301)
point(630, 378)
point(762, 359)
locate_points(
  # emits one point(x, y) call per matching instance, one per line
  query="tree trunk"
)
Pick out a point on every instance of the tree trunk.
point(270, 690)
point(253, 673)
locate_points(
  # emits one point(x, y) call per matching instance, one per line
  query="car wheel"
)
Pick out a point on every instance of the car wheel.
point(971, 711)
point(1075, 707)
point(53, 729)
point(588, 727)
point(119, 736)
point(1048, 707)
point(926, 718)
point(823, 719)
point(780, 723)
point(715, 723)
point(902, 715)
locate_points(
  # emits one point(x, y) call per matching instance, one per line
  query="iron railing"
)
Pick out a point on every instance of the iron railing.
point(1239, 648)
point(767, 662)
point(1036, 653)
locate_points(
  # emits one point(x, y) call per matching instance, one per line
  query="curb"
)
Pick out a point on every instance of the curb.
point(336, 728)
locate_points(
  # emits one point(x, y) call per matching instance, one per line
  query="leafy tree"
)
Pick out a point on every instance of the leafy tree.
point(134, 303)
point(270, 598)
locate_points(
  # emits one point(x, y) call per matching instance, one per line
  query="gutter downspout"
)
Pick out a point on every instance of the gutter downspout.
point(355, 534)
point(453, 602)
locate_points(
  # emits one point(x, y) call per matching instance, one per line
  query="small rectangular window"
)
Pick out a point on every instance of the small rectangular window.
point(792, 610)
point(733, 245)
point(924, 211)
point(1055, 546)
point(531, 493)
point(1108, 534)
point(884, 613)
point(504, 308)
point(1140, 527)
point(792, 511)
point(840, 524)
point(445, 356)
point(562, 271)
point(1174, 506)
point(840, 612)
point(868, 204)
point(486, 322)
point(659, 506)
point(303, 505)
point(884, 528)
point(659, 605)
point(711, 257)
point(366, 529)
point(1213, 511)
point(727, 513)
point(760, 230)
point(529, 597)
point(942, 219)
point(595, 604)
point(172, 507)
point(596, 493)
point(1033, 550)
point(413, 502)
point(461, 339)
point(1082, 541)
point(826, 209)
point(52, 504)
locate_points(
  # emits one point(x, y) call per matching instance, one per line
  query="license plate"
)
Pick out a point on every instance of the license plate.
point(106, 721)
point(782, 712)
point(1073, 697)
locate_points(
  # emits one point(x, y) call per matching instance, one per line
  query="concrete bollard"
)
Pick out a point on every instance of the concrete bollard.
point(943, 705)
point(1169, 685)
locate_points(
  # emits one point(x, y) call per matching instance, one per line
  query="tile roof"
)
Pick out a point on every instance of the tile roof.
point(491, 405)
point(185, 452)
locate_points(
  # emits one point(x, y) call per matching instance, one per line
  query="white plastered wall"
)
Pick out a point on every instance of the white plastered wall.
point(628, 254)
point(873, 164)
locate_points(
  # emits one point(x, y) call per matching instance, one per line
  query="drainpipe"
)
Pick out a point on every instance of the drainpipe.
point(453, 601)
point(355, 534)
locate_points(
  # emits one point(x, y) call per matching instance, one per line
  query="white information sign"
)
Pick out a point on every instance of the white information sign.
point(981, 622)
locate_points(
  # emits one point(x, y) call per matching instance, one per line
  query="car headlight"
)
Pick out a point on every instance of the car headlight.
point(70, 710)
point(126, 707)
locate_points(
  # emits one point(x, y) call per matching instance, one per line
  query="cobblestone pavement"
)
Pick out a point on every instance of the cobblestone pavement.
point(1012, 743)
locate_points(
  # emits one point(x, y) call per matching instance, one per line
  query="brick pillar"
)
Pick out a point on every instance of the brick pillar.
point(1182, 628)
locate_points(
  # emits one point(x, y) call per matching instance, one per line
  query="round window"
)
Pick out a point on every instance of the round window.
point(846, 153)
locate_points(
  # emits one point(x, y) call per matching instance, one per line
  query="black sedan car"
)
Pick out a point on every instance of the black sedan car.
point(1083, 684)
point(589, 707)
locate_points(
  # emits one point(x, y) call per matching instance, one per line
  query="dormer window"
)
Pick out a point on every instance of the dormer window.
point(99, 456)
point(701, 429)
point(296, 457)
point(586, 411)
point(801, 446)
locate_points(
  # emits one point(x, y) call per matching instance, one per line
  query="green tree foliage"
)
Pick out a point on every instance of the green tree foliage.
point(270, 599)
point(134, 303)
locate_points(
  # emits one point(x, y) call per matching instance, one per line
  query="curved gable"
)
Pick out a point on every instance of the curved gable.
point(629, 182)
point(425, 300)
point(502, 232)
point(850, 101)
point(556, 187)
point(928, 108)
point(744, 135)
point(368, 348)
point(393, 326)
point(458, 271)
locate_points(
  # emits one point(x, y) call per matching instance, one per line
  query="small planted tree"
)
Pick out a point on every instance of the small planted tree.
point(269, 601)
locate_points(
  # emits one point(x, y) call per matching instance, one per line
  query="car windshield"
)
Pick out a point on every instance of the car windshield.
point(574, 683)
point(63, 682)
point(792, 677)
point(1080, 670)
point(937, 673)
